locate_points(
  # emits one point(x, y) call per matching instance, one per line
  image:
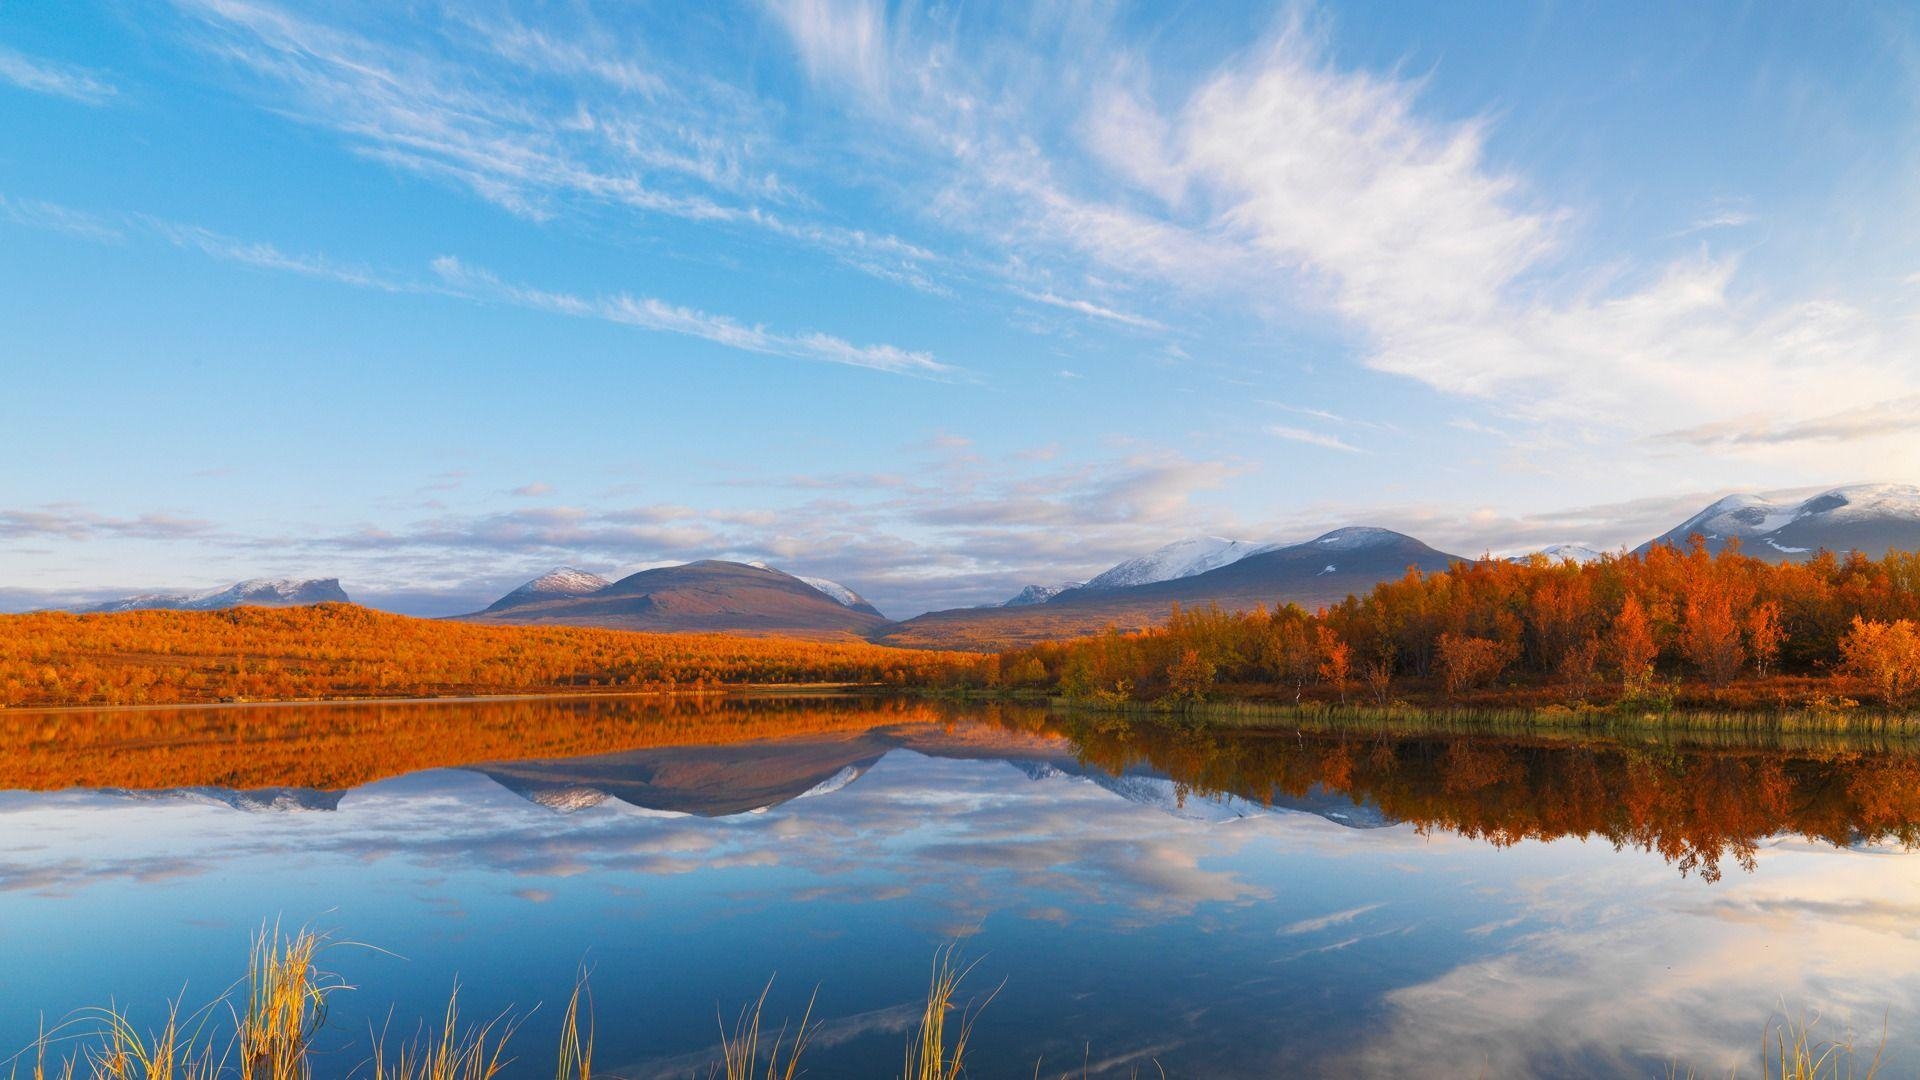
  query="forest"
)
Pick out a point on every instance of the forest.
point(330, 651)
point(1670, 627)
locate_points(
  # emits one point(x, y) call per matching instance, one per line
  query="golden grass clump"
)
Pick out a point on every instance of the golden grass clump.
point(928, 1055)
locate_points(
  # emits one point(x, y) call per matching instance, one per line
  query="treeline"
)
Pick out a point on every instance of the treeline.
point(1725, 629)
point(1695, 806)
point(342, 650)
point(335, 747)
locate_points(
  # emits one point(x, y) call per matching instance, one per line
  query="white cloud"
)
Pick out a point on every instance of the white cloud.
point(650, 313)
point(1311, 438)
point(57, 79)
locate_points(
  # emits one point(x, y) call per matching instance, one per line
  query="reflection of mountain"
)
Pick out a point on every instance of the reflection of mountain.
point(271, 800)
point(708, 781)
point(1151, 787)
point(715, 781)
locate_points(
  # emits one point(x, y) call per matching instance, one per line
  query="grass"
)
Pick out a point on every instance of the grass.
point(1588, 720)
point(285, 1006)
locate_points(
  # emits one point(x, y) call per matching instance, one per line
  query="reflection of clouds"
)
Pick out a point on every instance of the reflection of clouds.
point(970, 837)
point(1322, 922)
point(1429, 953)
point(1634, 971)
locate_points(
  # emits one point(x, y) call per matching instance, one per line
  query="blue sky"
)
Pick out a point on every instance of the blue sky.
point(933, 300)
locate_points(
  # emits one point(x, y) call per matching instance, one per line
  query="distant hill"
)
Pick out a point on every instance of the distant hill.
point(705, 596)
point(257, 592)
point(560, 583)
point(1323, 570)
point(1869, 518)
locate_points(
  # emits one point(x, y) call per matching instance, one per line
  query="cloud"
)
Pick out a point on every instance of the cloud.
point(533, 490)
point(39, 214)
point(1091, 309)
point(57, 79)
point(1312, 438)
point(577, 117)
point(1900, 416)
point(65, 522)
point(650, 313)
point(1282, 184)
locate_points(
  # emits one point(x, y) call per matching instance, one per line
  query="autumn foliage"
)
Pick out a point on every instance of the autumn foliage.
point(341, 650)
point(1721, 629)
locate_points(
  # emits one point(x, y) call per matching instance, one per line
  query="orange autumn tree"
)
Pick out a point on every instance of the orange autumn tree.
point(1886, 656)
point(1723, 628)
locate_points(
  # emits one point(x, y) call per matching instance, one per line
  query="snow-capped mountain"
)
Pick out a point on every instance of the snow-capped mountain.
point(1865, 517)
point(255, 592)
point(1040, 594)
point(1180, 559)
point(839, 593)
point(269, 800)
point(1576, 553)
point(555, 584)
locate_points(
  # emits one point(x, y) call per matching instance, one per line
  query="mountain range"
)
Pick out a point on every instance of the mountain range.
point(753, 598)
point(256, 592)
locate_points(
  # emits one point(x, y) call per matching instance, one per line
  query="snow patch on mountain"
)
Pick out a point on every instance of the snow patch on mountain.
point(562, 581)
point(1180, 559)
point(1355, 538)
point(1040, 594)
point(1576, 553)
point(839, 593)
point(254, 592)
point(1756, 516)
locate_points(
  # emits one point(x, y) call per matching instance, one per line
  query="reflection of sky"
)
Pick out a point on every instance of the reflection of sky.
point(1221, 948)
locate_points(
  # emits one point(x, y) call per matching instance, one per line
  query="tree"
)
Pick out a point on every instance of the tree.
point(1190, 677)
point(1764, 635)
point(1886, 655)
point(1336, 660)
point(1710, 637)
point(1631, 642)
point(1467, 662)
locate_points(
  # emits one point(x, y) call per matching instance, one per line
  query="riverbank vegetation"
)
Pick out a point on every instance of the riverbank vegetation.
point(346, 651)
point(267, 1026)
point(1643, 634)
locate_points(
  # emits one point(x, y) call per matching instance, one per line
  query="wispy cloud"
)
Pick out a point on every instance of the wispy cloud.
point(651, 313)
point(1900, 416)
point(577, 115)
point(1093, 310)
point(1311, 438)
point(39, 214)
point(51, 77)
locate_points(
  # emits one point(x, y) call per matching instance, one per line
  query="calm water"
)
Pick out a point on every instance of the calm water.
point(1228, 906)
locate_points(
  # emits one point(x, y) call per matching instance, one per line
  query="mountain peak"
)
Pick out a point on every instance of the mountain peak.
point(253, 592)
point(1357, 537)
point(559, 583)
point(1182, 558)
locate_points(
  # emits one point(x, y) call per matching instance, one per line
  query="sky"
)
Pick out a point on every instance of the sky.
point(936, 301)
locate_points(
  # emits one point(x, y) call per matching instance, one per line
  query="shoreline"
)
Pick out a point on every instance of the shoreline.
point(743, 690)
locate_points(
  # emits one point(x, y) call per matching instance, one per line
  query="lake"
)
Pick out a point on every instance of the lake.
point(1211, 903)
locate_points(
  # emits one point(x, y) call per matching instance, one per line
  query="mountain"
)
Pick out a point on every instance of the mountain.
point(1040, 594)
point(556, 584)
point(705, 596)
point(839, 594)
point(1180, 559)
point(1576, 553)
point(257, 592)
point(1869, 518)
point(1323, 570)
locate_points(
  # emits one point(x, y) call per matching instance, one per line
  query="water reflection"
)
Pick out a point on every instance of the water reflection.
point(1228, 905)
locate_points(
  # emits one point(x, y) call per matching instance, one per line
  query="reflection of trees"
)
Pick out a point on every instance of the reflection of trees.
point(342, 746)
point(1695, 806)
